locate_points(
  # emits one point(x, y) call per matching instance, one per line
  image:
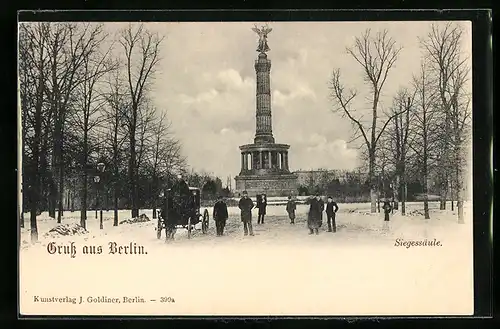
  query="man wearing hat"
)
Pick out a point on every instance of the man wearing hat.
point(290, 209)
point(387, 210)
point(220, 215)
point(246, 205)
point(314, 219)
point(331, 210)
point(261, 205)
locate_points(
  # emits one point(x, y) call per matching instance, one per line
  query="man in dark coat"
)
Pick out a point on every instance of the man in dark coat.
point(246, 205)
point(220, 215)
point(290, 209)
point(316, 207)
point(387, 210)
point(261, 205)
point(331, 210)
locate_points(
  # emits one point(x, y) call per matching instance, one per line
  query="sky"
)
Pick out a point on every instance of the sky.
point(206, 83)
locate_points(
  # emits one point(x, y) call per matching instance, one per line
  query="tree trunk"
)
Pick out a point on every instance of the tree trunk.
point(397, 195)
point(61, 194)
point(107, 199)
point(425, 185)
point(403, 201)
point(34, 177)
point(33, 211)
point(371, 178)
point(84, 198)
point(115, 206)
point(84, 186)
point(460, 208)
point(154, 193)
point(459, 186)
point(442, 195)
point(452, 196)
point(132, 174)
point(52, 197)
point(426, 202)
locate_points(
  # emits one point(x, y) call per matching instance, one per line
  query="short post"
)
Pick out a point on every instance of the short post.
point(96, 180)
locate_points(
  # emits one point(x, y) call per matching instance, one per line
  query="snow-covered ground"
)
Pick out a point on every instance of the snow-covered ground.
point(280, 271)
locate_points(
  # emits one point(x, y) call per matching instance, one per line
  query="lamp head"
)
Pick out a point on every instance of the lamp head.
point(101, 166)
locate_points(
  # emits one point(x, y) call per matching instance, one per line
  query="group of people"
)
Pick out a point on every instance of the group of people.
point(315, 215)
point(246, 205)
point(314, 220)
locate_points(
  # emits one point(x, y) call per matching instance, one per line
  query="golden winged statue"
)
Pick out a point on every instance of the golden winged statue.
point(262, 32)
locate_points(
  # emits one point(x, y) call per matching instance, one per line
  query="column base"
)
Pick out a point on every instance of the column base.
point(283, 184)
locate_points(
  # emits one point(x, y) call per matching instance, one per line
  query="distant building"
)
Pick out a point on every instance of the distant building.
point(316, 177)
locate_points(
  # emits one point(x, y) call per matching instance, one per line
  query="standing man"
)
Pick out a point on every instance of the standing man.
point(314, 216)
point(290, 208)
point(246, 205)
point(331, 210)
point(220, 215)
point(387, 210)
point(261, 204)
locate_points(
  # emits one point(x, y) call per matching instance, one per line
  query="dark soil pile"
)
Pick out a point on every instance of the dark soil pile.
point(141, 219)
point(67, 230)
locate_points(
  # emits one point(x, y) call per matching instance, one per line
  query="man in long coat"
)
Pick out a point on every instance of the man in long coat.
point(220, 215)
point(246, 205)
point(261, 205)
point(290, 209)
point(316, 207)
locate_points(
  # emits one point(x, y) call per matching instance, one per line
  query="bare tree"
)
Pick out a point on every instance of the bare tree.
point(385, 166)
point(33, 65)
point(88, 107)
point(425, 129)
point(116, 134)
point(141, 49)
point(376, 55)
point(145, 133)
point(442, 49)
point(164, 156)
point(460, 127)
point(400, 139)
point(69, 45)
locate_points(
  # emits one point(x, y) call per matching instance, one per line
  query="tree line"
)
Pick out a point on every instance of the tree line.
point(85, 99)
point(424, 135)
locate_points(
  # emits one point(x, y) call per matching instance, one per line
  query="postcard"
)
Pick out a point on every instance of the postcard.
point(245, 168)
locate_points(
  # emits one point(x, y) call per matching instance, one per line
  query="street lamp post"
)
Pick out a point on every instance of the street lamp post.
point(100, 169)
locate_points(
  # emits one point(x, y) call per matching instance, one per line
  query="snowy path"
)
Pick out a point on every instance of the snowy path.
point(281, 270)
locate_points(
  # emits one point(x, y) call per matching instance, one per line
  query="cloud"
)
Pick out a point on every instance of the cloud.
point(206, 81)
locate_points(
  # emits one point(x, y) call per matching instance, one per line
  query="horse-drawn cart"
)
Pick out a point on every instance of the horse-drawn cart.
point(181, 209)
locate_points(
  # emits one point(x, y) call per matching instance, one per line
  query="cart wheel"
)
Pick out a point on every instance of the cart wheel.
point(189, 227)
point(204, 222)
point(158, 230)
